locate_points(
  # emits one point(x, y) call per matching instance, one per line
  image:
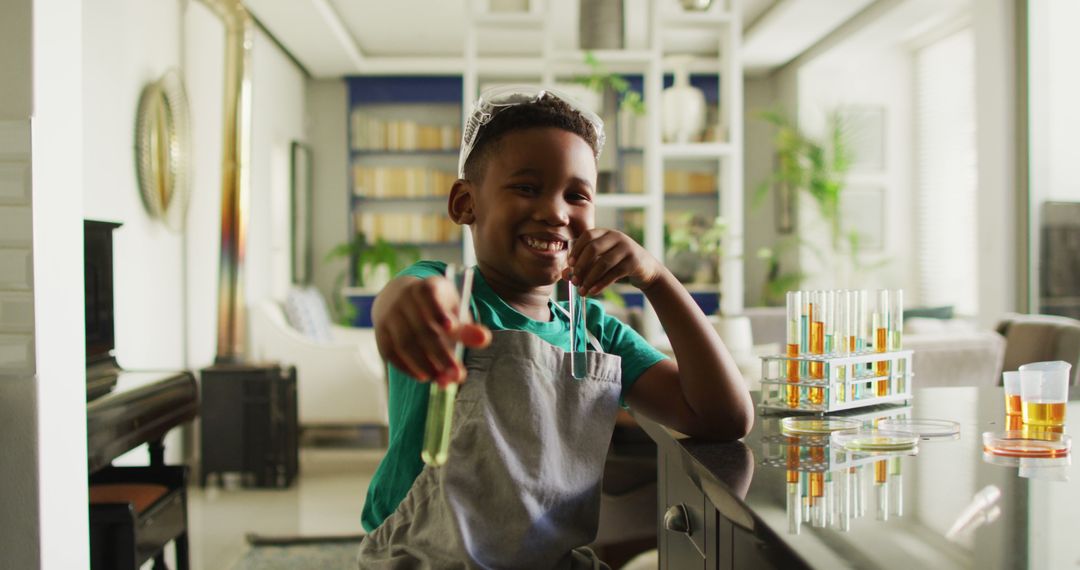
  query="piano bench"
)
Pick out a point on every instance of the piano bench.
point(134, 513)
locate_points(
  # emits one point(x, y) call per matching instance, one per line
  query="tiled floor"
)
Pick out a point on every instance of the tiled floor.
point(326, 499)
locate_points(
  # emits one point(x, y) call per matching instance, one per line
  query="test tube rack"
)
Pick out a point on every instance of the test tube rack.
point(848, 381)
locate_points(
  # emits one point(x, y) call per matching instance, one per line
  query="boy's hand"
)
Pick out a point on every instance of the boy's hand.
point(418, 331)
point(601, 256)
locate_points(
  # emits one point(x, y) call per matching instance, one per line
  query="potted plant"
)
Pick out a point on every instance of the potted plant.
point(373, 265)
point(818, 169)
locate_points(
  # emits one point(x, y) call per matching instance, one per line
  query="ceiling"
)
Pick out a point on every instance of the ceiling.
point(334, 38)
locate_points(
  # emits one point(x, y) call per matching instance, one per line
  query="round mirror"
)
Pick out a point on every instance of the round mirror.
point(161, 149)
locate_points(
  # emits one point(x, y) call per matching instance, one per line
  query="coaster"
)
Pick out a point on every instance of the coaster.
point(925, 429)
point(817, 426)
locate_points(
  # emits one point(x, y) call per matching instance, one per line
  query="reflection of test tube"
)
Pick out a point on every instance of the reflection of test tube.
point(896, 487)
point(881, 488)
point(794, 510)
point(881, 339)
point(440, 412)
point(794, 327)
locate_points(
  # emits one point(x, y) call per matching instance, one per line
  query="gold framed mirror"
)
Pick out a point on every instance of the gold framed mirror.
point(162, 147)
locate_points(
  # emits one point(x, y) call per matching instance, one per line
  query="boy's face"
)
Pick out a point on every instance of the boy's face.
point(536, 195)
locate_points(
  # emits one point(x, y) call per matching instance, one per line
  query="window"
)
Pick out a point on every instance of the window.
point(946, 172)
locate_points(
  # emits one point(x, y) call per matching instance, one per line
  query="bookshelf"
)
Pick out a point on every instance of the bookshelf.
point(404, 134)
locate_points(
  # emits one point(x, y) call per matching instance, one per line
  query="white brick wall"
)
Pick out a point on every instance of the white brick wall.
point(16, 259)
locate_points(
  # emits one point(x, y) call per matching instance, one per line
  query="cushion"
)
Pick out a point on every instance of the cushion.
point(140, 495)
point(307, 313)
point(945, 312)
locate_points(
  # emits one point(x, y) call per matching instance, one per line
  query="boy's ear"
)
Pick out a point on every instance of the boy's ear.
point(460, 205)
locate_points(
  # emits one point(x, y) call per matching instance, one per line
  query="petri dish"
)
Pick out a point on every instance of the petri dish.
point(817, 426)
point(874, 440)
point(924, 428)
point(1020, 443)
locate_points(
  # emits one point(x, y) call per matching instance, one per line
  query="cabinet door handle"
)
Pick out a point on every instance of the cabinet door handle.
point(676, 519)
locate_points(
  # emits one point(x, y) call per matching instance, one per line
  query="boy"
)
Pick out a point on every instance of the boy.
point(521, 487)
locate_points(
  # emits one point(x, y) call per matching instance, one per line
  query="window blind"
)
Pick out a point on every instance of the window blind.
point(946, 172)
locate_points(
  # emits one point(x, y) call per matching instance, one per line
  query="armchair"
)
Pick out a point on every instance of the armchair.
point(340, 379)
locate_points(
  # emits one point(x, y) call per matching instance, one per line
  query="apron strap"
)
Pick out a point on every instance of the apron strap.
point(592, 339)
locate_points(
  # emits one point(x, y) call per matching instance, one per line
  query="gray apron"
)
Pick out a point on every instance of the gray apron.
point(521, 486)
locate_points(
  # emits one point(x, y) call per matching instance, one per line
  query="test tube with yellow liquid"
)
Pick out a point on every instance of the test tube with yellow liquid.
point(804, 334)
point(440, 412)
point(881, 339)
point(794, 328)
point(896, 334)
point(865, 334)
point(817, 342)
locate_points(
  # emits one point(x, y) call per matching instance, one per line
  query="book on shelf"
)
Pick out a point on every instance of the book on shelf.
point(676, 182)
point(377, 134)
point(395, 182)
point(407, 227)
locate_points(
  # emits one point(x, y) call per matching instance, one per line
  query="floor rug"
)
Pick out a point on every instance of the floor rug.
point(300, 553)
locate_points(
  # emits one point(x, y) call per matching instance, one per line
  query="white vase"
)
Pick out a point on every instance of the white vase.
point(684, 107)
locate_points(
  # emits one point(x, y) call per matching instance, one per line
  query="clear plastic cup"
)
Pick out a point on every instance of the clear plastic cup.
point(1013, 405)
point(1044, 388)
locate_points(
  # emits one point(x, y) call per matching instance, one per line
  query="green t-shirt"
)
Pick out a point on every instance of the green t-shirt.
point(408, 398)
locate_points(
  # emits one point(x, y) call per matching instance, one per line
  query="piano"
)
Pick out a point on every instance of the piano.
point(134, 511)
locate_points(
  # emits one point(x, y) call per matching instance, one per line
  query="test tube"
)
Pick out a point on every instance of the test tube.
point(896, 486)
point(794, 328)
point(804, 334)
point(896, 340)
point(881, 339)
point(440, 412)
point(578, 357)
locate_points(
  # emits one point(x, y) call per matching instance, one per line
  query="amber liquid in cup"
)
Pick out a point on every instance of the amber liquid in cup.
point(1013, 406)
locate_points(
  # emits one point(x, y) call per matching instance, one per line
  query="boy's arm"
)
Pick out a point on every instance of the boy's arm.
point(704, 394)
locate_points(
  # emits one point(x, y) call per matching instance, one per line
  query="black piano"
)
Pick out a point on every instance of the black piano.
point(134, 511)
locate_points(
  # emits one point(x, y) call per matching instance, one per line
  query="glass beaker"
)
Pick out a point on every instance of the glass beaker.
point(1044, 388)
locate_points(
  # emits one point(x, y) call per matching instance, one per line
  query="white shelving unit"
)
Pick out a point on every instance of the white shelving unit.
point(722, 24)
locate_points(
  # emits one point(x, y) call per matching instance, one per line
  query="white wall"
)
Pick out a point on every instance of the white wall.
point(127, 44)
point(327, 112)
point(1001, 278)
point(880, 79)
point(58, 159)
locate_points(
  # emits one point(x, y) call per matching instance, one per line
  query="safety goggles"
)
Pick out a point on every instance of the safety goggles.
point(494, 100)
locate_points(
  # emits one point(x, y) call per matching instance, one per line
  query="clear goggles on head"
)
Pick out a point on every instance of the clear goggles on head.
point(494, 100)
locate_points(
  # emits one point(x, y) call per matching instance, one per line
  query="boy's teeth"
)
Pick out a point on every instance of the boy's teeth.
point(543, 245)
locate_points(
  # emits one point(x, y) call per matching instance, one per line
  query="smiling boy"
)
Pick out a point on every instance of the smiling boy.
point(521, 486)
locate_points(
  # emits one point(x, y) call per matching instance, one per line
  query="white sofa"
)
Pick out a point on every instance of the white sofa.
point(340, 379)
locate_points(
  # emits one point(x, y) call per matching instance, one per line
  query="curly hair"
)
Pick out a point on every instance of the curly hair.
point(549, 111)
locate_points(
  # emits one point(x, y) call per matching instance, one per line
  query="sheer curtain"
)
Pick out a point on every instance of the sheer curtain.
point(946, 172)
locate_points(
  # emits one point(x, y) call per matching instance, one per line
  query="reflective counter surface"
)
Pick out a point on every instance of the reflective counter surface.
point(829, 508)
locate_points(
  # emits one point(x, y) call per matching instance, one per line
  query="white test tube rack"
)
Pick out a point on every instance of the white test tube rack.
point(849, 381)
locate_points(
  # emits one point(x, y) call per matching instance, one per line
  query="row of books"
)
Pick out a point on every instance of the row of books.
point(401, 182)
point(408, 227)
point(372, 133)
point(675, 181)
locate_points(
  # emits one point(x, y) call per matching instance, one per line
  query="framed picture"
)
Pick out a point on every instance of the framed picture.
point(864, 128)
point(862, 210)
point(301, 223)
